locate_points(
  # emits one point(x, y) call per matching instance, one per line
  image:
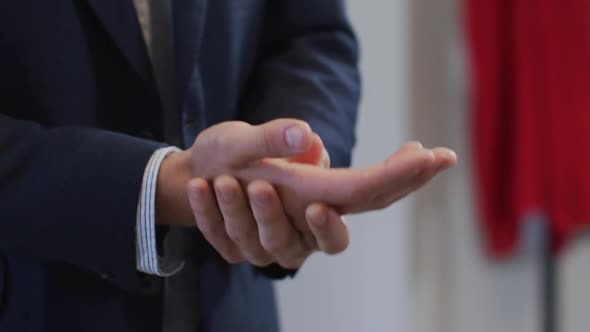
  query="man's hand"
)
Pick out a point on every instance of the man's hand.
point(253, 225)
point(254, 153)
point(250, 225)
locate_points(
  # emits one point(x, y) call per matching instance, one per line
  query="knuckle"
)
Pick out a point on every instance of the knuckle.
point(274, 244)
point(265, 142)
point(234, 235)
point(263, 199)
point(202, 207)
point(227, 192)
point(241, 235)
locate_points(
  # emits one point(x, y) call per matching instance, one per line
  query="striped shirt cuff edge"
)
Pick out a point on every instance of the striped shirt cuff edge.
point(148, 260)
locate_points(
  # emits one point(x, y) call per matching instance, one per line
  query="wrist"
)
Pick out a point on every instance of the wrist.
point(172, 205)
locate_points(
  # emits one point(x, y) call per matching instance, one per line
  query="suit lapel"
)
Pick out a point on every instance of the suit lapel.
point(119, 19)
point(189, 21)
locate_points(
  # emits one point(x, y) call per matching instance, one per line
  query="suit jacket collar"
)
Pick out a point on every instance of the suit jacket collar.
point(119, 19)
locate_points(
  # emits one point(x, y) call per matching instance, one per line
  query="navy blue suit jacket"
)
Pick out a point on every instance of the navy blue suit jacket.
point(80, 116)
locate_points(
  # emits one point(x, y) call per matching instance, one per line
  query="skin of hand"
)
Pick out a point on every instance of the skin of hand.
point(233, 223)
point(258, 152)
point(248, 221)
point(351, 191)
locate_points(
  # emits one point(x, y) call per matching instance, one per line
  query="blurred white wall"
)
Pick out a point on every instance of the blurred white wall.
point(366, 288)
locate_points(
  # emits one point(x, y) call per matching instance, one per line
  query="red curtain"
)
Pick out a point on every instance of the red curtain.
point(530, 79)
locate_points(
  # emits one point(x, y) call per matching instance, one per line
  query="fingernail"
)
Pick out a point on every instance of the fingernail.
point(294, 137)
point(453, 156)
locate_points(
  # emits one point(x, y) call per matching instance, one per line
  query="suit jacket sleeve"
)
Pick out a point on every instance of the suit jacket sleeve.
point(70, 195)
point(308, 71)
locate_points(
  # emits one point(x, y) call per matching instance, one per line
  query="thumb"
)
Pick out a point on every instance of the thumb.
point(274, 139)
point(315, 155)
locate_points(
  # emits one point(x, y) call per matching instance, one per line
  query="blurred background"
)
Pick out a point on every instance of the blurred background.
point(422, 265)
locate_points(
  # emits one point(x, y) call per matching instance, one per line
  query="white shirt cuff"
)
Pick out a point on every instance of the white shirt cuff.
point(148, 260)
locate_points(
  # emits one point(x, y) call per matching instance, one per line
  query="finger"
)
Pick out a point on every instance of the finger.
point(395, 189)
point(274, 139)
point(344, 187)
point(239, 221)
point(311, 243)
point(277, 234)
point(210, 222)
point(328, 227)
point(444, 158)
